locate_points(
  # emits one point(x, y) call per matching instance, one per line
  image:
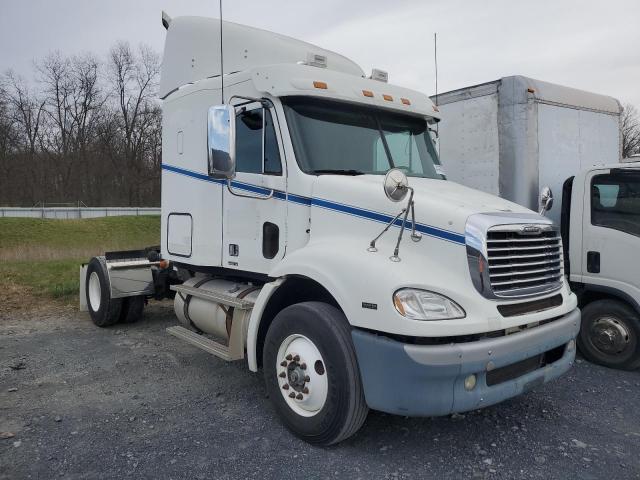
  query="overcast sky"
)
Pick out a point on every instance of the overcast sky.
point(587, 44)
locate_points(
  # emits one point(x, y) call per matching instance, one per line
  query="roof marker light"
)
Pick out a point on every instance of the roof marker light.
point(321, 85)
point(405, 101)
point(367, 93)
point(388, 98)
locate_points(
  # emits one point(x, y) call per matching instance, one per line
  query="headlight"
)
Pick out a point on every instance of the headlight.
point(423, 305)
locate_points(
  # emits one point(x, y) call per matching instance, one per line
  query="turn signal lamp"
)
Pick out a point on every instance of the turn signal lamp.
point(367, 93)
point(405, 101)
point(388, 98)
point(321, 85)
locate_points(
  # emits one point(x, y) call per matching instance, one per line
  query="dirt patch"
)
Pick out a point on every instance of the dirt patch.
point(20, 299)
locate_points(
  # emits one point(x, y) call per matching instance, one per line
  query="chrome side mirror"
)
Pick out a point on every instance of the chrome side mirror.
point(396, 185)
point(545, 200)
point(221, 142)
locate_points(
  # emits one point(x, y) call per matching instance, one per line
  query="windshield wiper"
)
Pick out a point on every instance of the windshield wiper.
point(338, 171)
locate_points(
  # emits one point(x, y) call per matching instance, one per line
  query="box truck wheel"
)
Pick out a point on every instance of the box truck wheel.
point(610, 334)
point(312, 375)
point(103, 309)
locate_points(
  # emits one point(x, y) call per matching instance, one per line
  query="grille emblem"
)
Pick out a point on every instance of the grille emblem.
point(530, 230)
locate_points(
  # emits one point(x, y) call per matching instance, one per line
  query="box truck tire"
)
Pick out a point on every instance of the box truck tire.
point(312, 375)
point(610, 334)
point(103, 309)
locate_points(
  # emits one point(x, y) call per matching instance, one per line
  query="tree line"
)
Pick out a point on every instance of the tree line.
point(85, 129)
point(89, 129)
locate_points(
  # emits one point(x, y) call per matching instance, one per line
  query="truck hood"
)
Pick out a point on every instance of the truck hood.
point(441, 204)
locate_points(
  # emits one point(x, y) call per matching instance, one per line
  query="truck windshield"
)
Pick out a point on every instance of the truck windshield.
point(342, 138)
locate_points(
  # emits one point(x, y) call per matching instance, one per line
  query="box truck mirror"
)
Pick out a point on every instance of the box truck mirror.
point(546, 200)
point(221, 141)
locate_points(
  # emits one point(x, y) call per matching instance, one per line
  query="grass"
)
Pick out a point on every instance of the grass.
point(40, 258)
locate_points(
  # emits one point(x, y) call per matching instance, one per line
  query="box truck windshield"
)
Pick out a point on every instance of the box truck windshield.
point(335, 137)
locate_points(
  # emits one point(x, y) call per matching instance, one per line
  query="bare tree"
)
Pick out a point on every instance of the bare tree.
point(85, 130)
point(630, 127)
point(26, 109)
point(134, 77)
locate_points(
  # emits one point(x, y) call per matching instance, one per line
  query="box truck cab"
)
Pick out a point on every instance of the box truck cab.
point(601, 233)
point(307, 225)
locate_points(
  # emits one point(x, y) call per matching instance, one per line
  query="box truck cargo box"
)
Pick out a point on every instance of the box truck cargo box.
point(512, 136)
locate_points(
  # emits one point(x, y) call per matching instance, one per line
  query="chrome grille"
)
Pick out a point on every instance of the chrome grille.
point(523, 262)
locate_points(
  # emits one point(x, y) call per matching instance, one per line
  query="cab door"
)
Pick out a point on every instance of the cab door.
point(254, 209)
point(611, 230)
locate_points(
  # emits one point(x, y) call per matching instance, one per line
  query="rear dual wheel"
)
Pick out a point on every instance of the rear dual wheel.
point(312, 375)
point(103, 309)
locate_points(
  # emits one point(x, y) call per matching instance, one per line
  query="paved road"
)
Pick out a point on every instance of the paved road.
point(132, 401)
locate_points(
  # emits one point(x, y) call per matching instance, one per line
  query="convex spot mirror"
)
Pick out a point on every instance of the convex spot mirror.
point(545, 200)
point(396, 185)
point(221, 141)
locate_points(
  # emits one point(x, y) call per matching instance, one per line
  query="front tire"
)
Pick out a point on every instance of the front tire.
point(312, 375)
point(610, 334)
point(104, 310)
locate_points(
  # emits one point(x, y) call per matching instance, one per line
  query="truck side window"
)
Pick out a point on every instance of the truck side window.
point(272, 164)
point(249, 143)
point(615, 202)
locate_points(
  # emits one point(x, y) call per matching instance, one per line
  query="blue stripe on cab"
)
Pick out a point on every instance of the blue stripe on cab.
point(429, 230)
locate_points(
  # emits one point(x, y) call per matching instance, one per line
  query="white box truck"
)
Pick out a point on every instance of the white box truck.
point(515, 136)
point(306, 225)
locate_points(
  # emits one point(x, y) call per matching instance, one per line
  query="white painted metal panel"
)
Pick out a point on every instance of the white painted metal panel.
point(469, 148)
point(186, 187)
point(571, 140)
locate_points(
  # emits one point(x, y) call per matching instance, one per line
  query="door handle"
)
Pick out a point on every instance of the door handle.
point(593, 262)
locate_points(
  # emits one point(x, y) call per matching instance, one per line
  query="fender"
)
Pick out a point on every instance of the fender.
point(302, 262)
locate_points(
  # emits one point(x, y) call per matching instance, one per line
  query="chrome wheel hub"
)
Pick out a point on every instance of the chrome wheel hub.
point(94, 291)
point(301, 375)
point(610, 335)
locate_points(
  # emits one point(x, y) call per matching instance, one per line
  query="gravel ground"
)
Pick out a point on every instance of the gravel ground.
point(77, 401)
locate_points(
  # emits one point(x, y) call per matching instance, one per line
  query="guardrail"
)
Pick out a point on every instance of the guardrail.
point(75, 212)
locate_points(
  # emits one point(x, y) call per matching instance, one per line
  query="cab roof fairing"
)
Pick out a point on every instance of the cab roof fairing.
point(300, 80)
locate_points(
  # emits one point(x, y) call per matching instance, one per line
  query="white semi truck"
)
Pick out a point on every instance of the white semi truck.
point(515, 136)
point(307, 225)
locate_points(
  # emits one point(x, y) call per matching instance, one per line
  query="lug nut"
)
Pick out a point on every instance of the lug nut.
point(299, 396)
point(305, 390)
point(307, 378)
point(282, 375)
point(283, 364)
point(303, 366)
point(296, 358)
point(288, 357)
point(292, 395)
point(285, 386)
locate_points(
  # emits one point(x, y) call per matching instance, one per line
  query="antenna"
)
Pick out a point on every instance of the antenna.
point(435, 59)
point(221, 55)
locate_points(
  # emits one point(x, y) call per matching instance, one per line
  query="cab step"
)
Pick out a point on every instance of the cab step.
point(203, 343)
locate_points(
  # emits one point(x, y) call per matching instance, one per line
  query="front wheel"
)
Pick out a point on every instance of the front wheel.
point(610, 334)
point(312, 375)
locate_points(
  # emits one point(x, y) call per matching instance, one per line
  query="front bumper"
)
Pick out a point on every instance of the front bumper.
point(419, 380)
